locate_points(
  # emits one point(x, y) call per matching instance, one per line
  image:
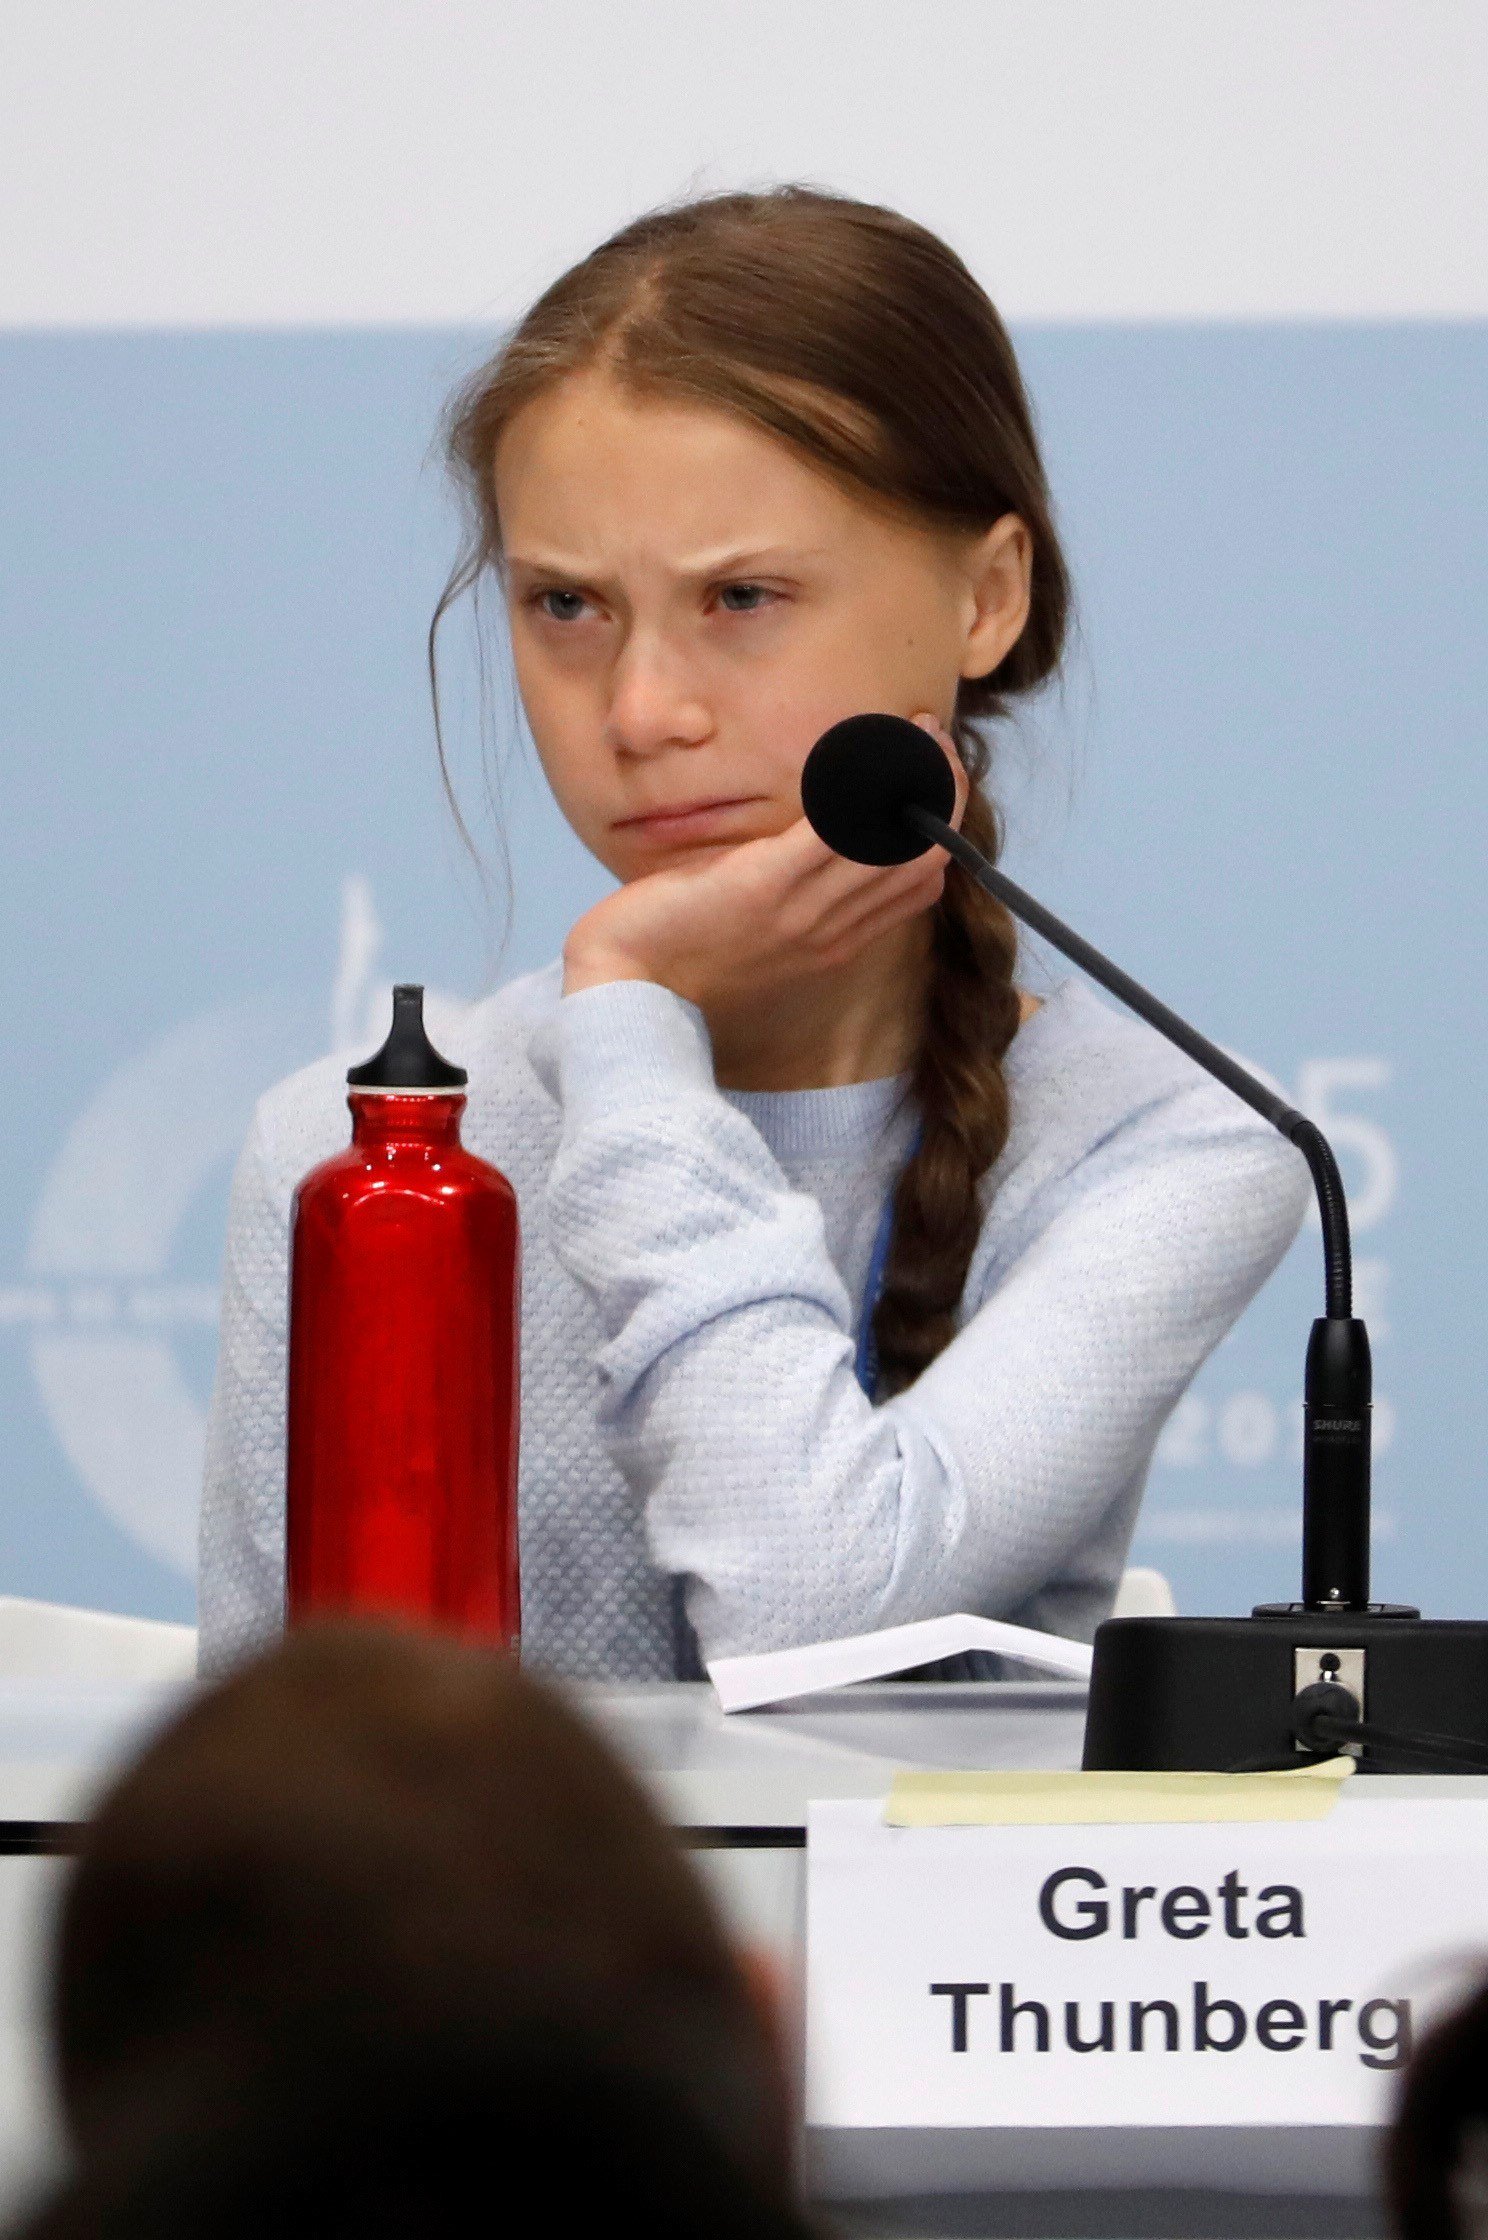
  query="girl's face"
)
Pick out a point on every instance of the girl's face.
point(692, 605)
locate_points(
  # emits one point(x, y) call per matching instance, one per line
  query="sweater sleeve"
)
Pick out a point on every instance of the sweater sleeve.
point(241, 1567)
point(796, 1509)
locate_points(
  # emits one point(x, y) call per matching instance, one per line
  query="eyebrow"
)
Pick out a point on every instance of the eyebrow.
point(707, 566)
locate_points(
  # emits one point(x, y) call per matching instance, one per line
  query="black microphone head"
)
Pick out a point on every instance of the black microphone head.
point(862, 775)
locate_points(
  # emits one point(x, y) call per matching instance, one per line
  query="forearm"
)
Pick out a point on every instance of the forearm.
point(727, 1392)
point(796, 1511)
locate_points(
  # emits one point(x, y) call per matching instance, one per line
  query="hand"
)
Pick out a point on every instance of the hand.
point(750, 920)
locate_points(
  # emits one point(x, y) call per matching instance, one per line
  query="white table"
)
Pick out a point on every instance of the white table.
point(739, 1788)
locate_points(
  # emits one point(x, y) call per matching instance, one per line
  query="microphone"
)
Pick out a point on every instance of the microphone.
point(1204, 1693)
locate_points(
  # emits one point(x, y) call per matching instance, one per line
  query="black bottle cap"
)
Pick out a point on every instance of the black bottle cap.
point(408, 1059)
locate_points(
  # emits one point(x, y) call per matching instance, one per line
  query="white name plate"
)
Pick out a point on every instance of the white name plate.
point(1245, 1974)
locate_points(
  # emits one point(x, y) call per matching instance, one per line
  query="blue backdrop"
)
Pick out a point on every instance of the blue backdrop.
point(223, 834)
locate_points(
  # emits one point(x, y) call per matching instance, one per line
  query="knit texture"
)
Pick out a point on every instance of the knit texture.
point(693, 1265)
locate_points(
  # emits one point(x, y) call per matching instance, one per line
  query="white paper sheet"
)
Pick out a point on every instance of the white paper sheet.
point(746, 1683)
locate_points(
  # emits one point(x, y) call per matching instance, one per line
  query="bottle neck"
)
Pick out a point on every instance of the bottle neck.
point(392, 1116)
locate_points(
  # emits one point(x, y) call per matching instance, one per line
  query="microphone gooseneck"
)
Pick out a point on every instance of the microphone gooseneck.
point(879, 790)
point(1304, 1133)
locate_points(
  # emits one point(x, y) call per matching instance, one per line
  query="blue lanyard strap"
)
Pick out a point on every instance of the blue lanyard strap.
point(865, 1364)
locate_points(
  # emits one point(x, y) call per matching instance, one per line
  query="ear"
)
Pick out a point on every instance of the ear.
point(999, 587)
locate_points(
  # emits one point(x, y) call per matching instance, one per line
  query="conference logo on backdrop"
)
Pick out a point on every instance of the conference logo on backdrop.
point(119, 1323)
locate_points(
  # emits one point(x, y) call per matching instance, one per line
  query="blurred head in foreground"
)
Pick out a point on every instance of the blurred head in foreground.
point(1436, 2153)
point(379, 1924)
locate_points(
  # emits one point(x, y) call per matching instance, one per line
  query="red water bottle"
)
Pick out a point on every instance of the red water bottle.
point(403, 1332)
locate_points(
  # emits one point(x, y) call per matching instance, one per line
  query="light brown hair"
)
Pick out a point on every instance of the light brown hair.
point(784, 307)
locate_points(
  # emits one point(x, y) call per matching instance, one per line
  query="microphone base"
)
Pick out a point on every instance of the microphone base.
point(1210, 1694)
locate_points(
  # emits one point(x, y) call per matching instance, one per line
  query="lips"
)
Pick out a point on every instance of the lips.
point(685, 816)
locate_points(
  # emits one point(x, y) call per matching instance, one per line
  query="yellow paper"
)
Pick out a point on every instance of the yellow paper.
point(1009, 1800)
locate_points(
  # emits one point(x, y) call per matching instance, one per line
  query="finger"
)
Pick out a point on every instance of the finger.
point(790, 867)
point(876, 887)
point(795, 886)
point(850, 939)
point(766, 874)
point(907, 896)
point(832, 874)
point(801, 882)
point(947, 744)
point(788, 857)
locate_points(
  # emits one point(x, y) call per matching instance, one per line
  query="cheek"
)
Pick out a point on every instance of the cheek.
point(564, 733)
point(878, 654)
point(905, 643)
point(915, 664)
point(574, 769)
point(769, 752)
point(576, 782)
point(575, 778)
point(778, 713)
point(791, 727)
point(547, 704)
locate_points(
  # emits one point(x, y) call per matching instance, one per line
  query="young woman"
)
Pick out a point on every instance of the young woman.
point(858, 1285)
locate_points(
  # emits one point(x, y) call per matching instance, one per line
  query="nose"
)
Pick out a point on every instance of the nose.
point(655, 701)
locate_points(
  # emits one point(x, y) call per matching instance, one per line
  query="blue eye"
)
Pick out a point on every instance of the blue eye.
point(753, 592)
point(569, 615)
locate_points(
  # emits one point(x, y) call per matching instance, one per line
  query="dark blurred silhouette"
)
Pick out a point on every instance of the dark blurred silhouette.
point(1436, 2154)
point(379, 1933)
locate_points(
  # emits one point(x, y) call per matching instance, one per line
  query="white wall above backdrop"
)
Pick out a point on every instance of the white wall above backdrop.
point(251, 248)
point(366, 162)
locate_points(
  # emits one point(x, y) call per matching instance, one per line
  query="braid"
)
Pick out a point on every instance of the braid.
point(971, 1016)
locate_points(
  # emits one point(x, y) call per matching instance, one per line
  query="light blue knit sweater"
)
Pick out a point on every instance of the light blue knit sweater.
point(693, 1267)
